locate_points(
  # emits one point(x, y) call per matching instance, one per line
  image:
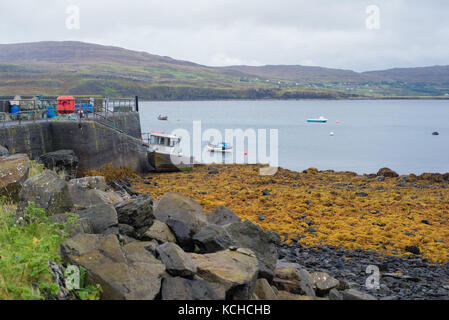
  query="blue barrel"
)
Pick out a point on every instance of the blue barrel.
point(50, 112)
point(14, 109)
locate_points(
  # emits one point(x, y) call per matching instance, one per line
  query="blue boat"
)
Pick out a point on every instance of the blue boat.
point(319, 120)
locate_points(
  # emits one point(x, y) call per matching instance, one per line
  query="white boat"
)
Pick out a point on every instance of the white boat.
point(165, 153)
point(319, 120)
point(221, 147)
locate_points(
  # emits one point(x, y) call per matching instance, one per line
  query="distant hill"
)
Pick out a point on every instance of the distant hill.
point(303, 74)
point(435, 74)
point(78, 68)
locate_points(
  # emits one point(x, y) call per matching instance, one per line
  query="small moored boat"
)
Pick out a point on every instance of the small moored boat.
point(160, 117)
point(221, 147)
point(319, 120)
point(165, 153)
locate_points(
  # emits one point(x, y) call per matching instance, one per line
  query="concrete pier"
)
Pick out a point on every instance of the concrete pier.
point(94, 143)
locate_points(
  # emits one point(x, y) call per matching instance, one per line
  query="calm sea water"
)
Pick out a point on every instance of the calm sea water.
point(370, 134)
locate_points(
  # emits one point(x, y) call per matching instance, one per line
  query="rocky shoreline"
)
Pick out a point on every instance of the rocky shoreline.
point(401, 278)
point(138, 246)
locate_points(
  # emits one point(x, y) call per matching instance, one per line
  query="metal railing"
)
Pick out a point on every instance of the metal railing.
point(103, 110)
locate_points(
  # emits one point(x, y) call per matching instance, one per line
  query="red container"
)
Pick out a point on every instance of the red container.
point(66, 105)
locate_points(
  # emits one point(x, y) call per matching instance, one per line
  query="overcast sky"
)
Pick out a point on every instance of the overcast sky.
point(328, 33)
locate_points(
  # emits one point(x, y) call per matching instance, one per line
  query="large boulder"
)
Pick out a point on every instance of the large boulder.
point(124, 273)
point(235, 270)
point(212, 238)
point(264, 291)
point(159, 231)
point(183, 215)
point(74, 224)
point(103, 218)
point(185, 289)
point(4, 152)
point(176, 261)
point(13, 173)
point(387, 173)
point(89, 191)
point(48, 191)
point(222, 216)
point(324, 283)
point(263, 243)
point(61, 160)
point(290, 277)
point(136, 212)
point(88, 183)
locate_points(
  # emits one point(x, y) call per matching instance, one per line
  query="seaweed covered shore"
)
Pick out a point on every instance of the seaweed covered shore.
point(383, 212)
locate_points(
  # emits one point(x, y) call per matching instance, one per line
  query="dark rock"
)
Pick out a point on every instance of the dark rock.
point(353, 294)
point(380, 178)
point(361, 194)
point(263, 243)
point(261, 217)
point(176, 261)
point(13, 173)
point(212, 238)
point(123, 187)
point(159, 231)
point(48, 192)
point(136, 212)
point(222, 216)
point(61, 160)
point(412, 249)
point(388, 173)
point(425, 222)
point(89, 191)
point(126, 230)
point(435, 133)
point(213, 172)
point(334, 294)
point(323, 283)
point(74, 224)
point(185, 289)
point(265, 192)
point(183, 215)
point(264, 291)
point(102, 216)
point(124, 273)
point(4, 152)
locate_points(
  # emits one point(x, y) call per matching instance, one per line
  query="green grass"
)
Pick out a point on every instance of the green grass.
point(25, 250)
point(35, 168)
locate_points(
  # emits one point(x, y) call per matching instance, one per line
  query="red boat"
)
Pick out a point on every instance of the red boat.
point(162, 117)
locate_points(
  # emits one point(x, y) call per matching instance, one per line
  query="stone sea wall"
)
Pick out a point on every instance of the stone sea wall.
point(94, 143)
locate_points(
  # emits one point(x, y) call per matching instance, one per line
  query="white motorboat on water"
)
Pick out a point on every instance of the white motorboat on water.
point(319, 120)
point(165, 153)
point(221, 147)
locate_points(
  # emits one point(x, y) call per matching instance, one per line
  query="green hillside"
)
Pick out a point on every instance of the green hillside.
point(76, 68)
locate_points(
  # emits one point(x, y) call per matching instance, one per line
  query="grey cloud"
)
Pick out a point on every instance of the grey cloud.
point(219, 32)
